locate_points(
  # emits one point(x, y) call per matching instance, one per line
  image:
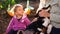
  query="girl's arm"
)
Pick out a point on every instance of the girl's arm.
point(35, 19)
point(27, 21)
point(9, 26)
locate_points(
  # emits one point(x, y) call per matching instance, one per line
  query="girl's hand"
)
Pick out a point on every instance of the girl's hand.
point(35, 19)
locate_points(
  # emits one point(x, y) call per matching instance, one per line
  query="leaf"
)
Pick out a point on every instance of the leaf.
point(12, 2)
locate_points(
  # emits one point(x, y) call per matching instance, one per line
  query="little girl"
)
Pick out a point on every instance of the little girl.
point(18, 22)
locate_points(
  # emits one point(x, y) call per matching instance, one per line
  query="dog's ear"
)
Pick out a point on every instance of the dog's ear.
point(37, 15)
point(48, 11)
point(47, 7)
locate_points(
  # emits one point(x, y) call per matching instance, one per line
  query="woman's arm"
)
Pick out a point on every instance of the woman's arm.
point(44, 30)
point(55, 18)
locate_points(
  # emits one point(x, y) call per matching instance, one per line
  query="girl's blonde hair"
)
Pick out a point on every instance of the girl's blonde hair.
point(16, 5)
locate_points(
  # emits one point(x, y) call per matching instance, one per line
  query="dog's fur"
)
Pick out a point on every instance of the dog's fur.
point(40, 23)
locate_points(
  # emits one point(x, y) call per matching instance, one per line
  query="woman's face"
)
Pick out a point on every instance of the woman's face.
point(19, 11)
point(44, 13)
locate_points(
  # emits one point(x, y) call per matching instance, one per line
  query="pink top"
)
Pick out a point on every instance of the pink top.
point(18, 25)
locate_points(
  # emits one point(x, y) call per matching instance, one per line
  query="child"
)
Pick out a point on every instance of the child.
point(42, 21)
point(19, 22)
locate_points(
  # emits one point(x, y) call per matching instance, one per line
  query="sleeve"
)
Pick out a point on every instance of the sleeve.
point(9, 26)
point(46, 22)
point(27, 21)
point(54, 2)
point(55, 18)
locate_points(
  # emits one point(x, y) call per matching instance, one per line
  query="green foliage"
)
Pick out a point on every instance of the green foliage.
point(4, 4)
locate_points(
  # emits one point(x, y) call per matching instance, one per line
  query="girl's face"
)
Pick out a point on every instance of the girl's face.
point(44, 13)
point(19, 11)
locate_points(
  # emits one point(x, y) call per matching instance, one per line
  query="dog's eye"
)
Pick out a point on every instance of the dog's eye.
point(48, 17)
point(48, 11)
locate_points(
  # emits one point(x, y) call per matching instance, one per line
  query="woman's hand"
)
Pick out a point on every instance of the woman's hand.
point(44, 30)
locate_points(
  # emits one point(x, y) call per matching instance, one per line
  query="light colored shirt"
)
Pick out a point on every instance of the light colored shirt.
point(55, 12)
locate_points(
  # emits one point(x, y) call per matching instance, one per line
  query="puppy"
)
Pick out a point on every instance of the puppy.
point(40, 25)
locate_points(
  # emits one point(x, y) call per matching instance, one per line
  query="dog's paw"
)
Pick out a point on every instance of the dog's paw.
point(39, 29)
point(41, 33)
